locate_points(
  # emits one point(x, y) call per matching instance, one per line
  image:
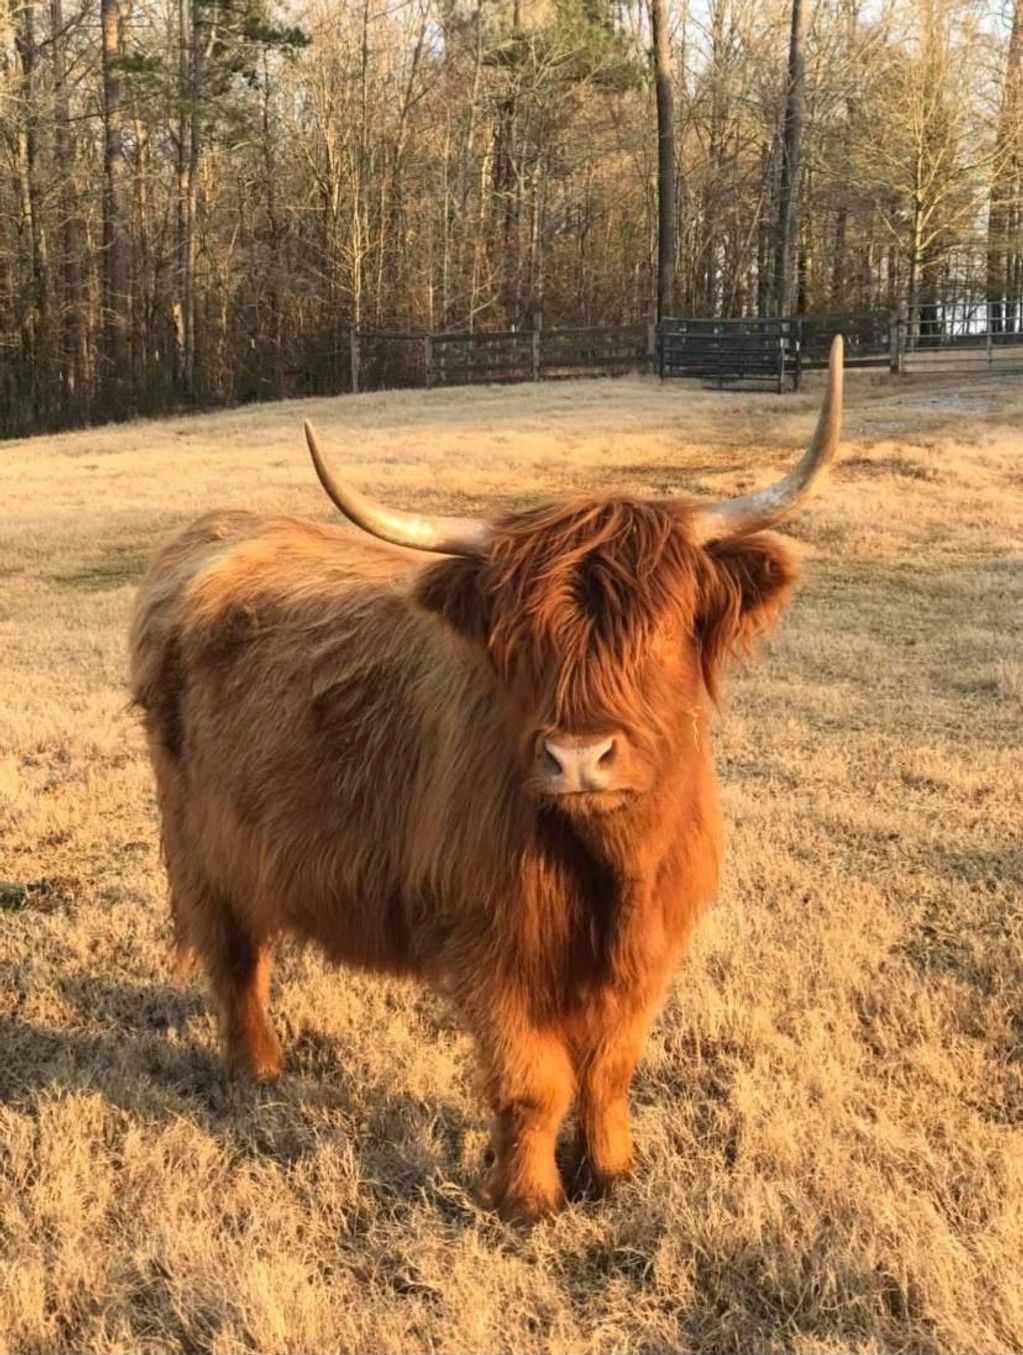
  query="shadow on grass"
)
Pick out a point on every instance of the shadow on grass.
point(115, 569)
point(148, 1062)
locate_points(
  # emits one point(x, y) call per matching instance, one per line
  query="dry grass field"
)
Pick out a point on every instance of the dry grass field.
point(829, 1117)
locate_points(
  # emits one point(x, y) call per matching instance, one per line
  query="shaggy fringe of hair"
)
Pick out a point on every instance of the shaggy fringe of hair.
point(587, 584)
point(583, 585)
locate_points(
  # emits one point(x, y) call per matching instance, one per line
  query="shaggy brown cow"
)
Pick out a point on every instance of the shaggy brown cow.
point(491, 770)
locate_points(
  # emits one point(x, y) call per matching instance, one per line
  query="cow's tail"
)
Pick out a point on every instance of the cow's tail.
point(184, 962)
point(183, 946)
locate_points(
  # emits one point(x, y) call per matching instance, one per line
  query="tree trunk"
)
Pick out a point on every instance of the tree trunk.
point(666, 244)
point(182, 233)
point(1005, 182)
point(195, 136)
point(507, 193)
point(73, 345)
point(787, 227)
point(764, 232)
point(115, 243)
point(276, 280)
point(184, 310)
point(840, 285)
point(37, 327)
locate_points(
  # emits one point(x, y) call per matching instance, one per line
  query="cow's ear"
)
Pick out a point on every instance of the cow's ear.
point(744, 590)
point(451, 589)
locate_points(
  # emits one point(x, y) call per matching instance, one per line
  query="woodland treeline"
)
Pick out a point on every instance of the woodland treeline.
point(201, 198)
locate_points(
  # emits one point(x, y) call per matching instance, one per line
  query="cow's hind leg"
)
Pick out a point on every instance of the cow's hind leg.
point(237, 962)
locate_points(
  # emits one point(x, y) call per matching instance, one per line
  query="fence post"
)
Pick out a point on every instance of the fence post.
point(781, 358)
point(651, 346)
point(535, 355)
point(990, 339)
point(428, 360)
point(897, 338)
point(797, 373)
point(353, 345)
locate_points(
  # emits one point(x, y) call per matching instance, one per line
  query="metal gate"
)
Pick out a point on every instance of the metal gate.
point(950, 337)
point(753, 351)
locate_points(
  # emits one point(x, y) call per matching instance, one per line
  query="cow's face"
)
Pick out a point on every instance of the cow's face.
point(607, 624)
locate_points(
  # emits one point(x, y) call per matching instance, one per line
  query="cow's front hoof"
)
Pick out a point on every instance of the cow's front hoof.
point(600, 1184)
point(521, 1206)
point(524, 1209)
point(589, 1180)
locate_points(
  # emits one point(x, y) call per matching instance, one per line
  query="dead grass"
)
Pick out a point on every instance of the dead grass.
point(829, 1115)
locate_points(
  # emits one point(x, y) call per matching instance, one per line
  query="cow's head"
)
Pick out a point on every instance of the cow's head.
point(607, 620)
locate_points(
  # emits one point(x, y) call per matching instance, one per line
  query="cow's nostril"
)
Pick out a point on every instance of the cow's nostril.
point(609, 756)
point(552, 764)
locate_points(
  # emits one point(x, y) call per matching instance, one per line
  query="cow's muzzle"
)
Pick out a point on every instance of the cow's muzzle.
point(578, 765)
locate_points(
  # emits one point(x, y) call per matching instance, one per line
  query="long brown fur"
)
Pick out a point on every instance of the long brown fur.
point(342, 735)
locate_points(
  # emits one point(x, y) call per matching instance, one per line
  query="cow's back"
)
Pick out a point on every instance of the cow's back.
point(277, 664)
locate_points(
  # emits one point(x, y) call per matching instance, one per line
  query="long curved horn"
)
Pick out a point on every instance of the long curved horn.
point(762, 509)
point(421, 531)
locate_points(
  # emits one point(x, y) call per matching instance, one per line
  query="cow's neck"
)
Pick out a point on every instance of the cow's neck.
point(632, 842)
point(658, 842)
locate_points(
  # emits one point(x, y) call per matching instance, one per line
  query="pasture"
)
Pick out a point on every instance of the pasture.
point(829, 1117)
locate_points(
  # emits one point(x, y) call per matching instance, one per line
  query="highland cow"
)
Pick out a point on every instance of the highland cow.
point(474, 752)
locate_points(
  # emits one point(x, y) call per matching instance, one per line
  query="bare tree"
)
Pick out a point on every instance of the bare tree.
point(115, 239)
point(666, 239)
point(37, 314)
point(928, 162)
point(1006, 195)
point(73, 344)
point(787, 222)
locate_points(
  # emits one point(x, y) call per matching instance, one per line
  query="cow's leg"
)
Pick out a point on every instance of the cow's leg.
point(610, 1047)
point(530, 1085)
point(238, 964)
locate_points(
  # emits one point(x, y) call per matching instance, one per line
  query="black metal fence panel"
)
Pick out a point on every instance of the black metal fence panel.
point(737, 351)
point(347, 362)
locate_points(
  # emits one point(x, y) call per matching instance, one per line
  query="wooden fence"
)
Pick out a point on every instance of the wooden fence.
point(389, 359)
point(535, 355)
point(978, 337)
